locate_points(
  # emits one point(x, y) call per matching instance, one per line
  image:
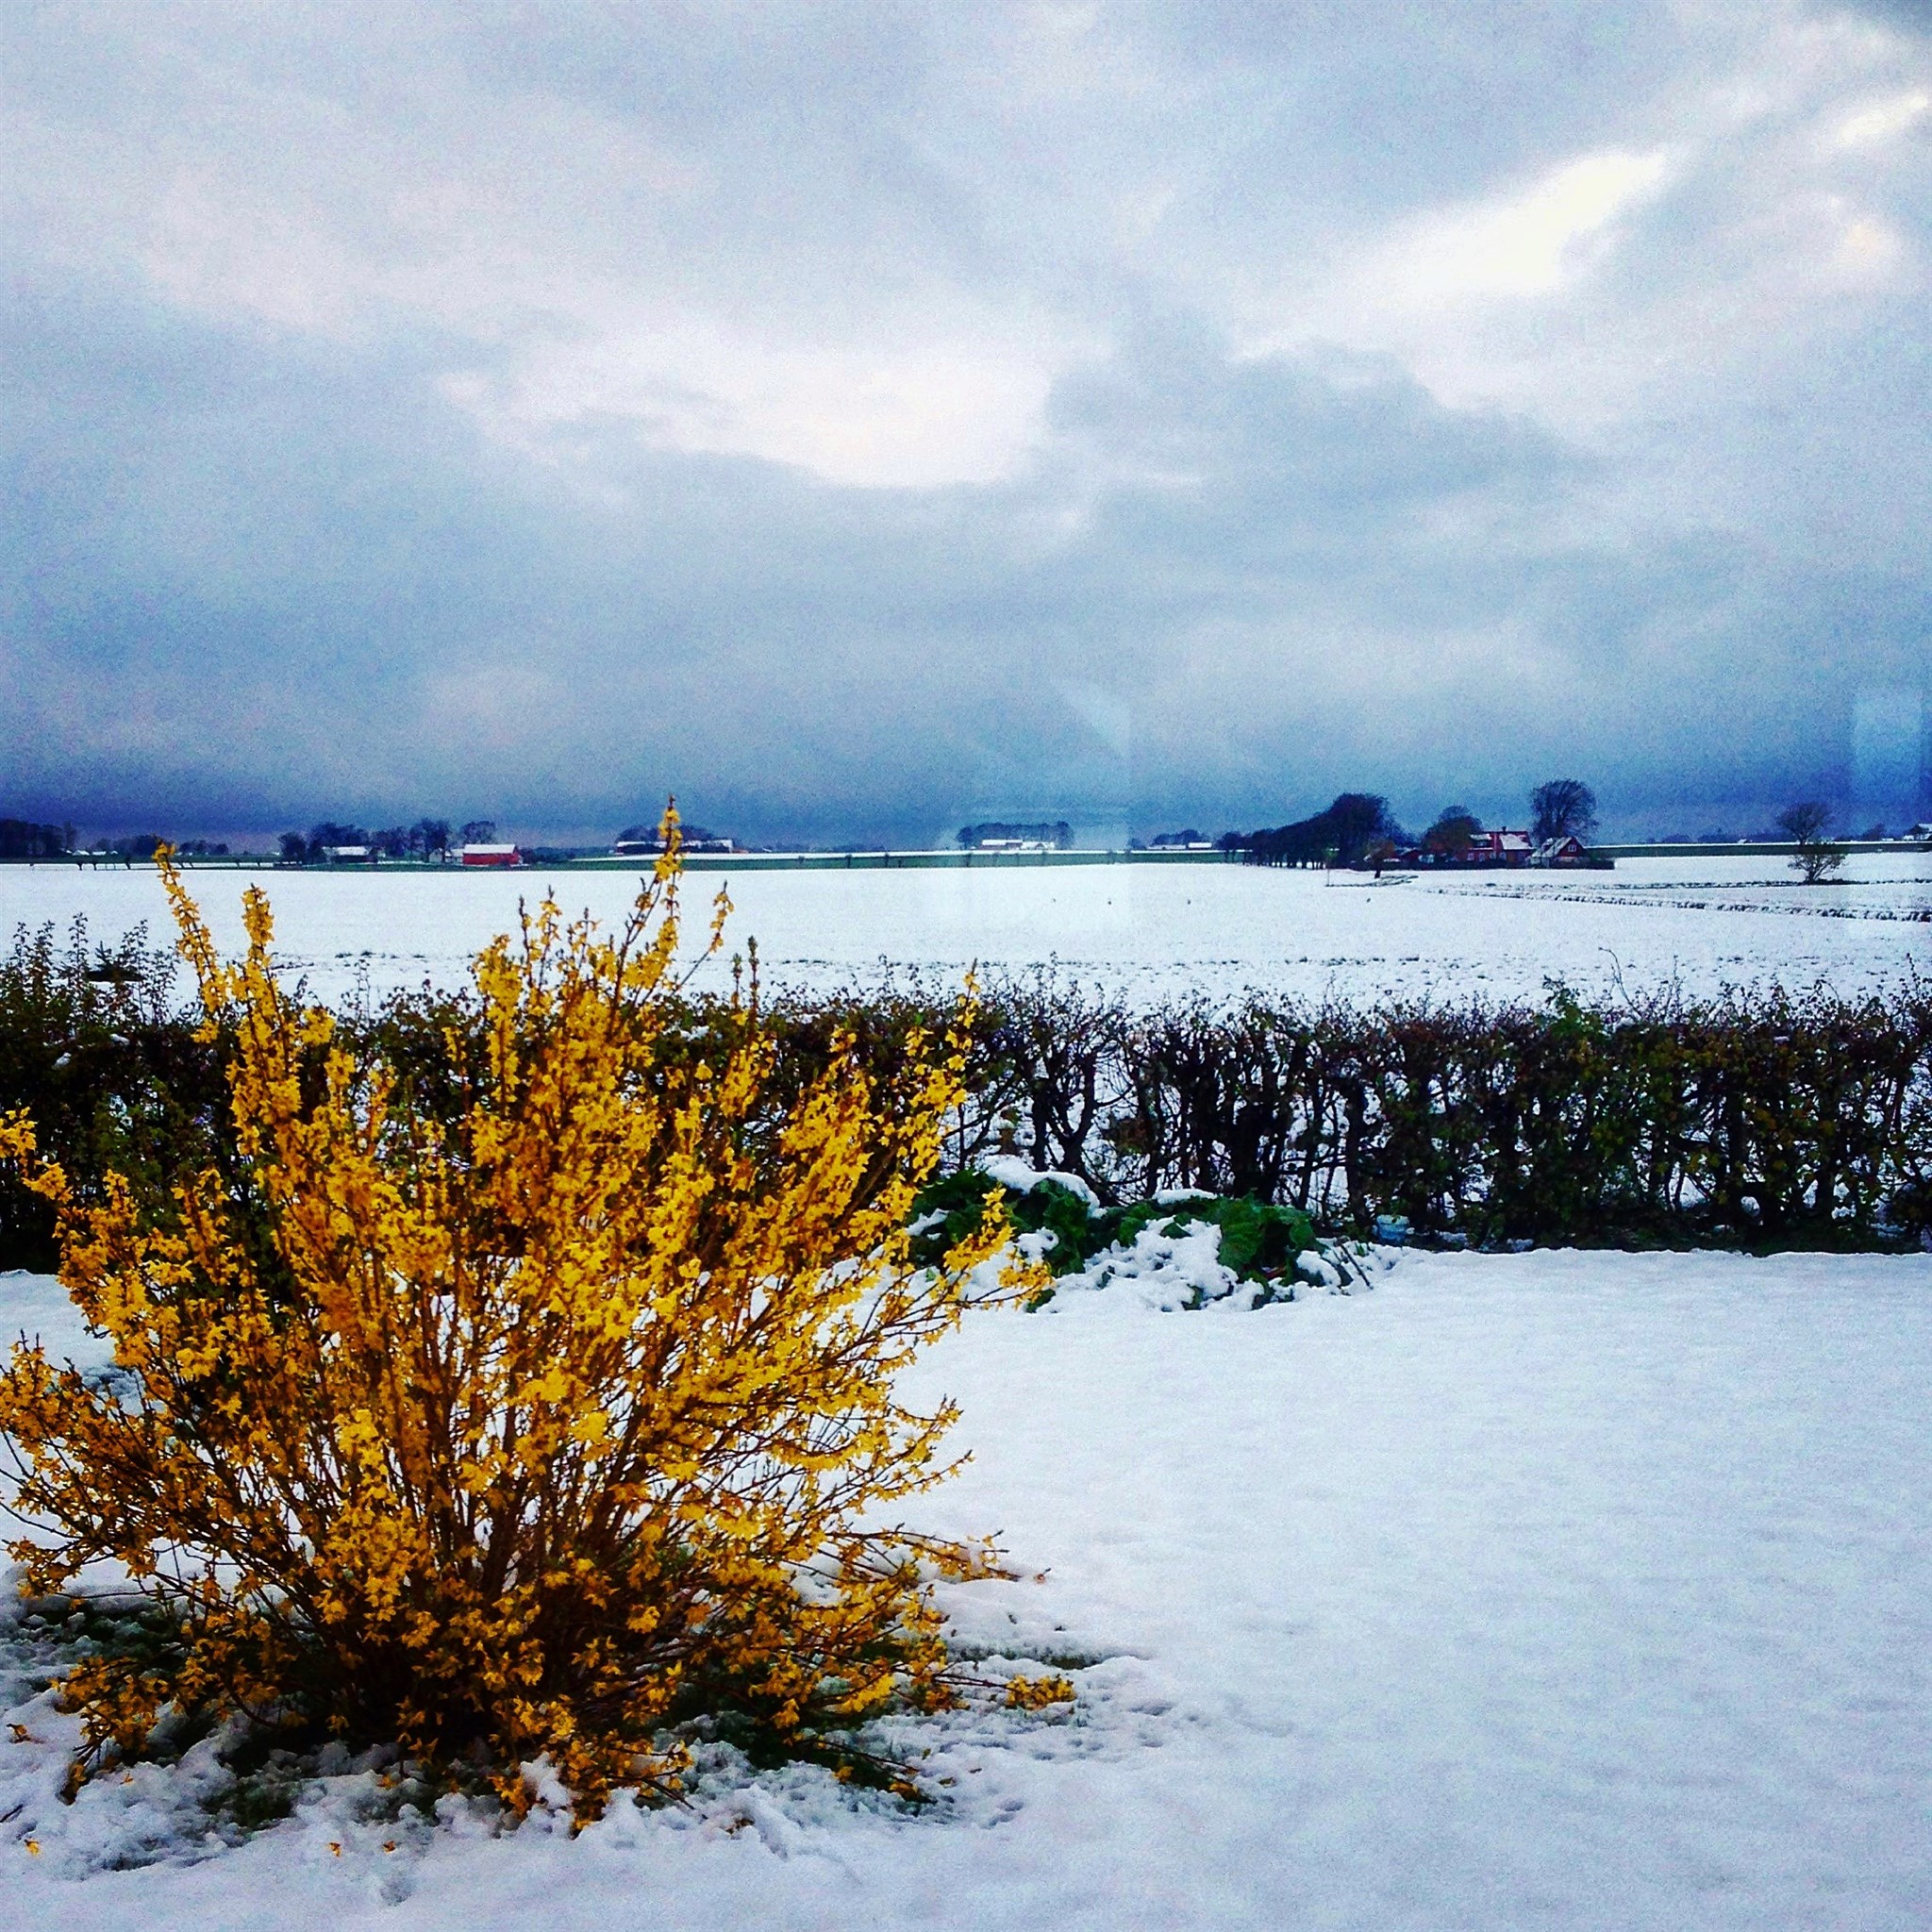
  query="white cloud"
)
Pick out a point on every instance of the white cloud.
point(1868, 250)
point(913, 414)
point(1525, 244)
point(1664, 294)
point(1883, 121)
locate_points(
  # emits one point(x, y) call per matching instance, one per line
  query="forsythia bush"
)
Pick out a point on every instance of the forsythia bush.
point(530, 1428)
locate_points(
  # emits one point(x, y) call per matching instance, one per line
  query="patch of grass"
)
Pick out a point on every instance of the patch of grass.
point(1259, 1241)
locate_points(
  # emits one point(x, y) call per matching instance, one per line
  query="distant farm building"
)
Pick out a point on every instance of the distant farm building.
point(1004, 835)
point(650, 848)
point(1567, 850)
point(1500, 847)
point(647, 841)
point(492, 855)
point(1474, 847)
point(349, 855)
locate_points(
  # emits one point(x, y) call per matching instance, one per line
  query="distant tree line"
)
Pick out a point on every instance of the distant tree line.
point(652, 834)
point(425, 838)
point(1342, 834)
point(1358, 826)
point(20, 838)
point(1059, 834)
point(145, 844)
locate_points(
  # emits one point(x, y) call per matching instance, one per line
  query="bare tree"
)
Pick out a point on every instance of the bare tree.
point(1563, 808)
point(1453, 833)
point(1807, 825)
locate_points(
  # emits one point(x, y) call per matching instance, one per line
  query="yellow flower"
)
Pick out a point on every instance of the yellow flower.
point(529, 1421)
point(1037, 1694)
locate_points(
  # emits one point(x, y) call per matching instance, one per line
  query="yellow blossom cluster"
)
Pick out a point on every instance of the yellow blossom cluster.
point(528, 1426)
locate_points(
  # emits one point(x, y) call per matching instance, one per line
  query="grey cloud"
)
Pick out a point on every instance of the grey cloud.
point(1909, 14)
point(315, 586)
point(345, 467)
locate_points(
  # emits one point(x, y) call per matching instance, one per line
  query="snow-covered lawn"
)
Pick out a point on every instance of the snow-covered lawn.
point(1153, 932)
point(1550, 1590)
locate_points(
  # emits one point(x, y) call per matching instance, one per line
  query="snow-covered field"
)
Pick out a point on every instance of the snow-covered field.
point(1554, 1590)
point(1153, 932)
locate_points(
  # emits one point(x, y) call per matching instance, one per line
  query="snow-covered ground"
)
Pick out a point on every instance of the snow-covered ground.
point(1553, 1590)
point(1153, 932)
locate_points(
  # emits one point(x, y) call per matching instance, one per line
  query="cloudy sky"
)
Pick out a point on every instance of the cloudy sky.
point(861, 418)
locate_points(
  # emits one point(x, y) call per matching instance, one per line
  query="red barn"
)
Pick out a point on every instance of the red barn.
point(491, 854)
